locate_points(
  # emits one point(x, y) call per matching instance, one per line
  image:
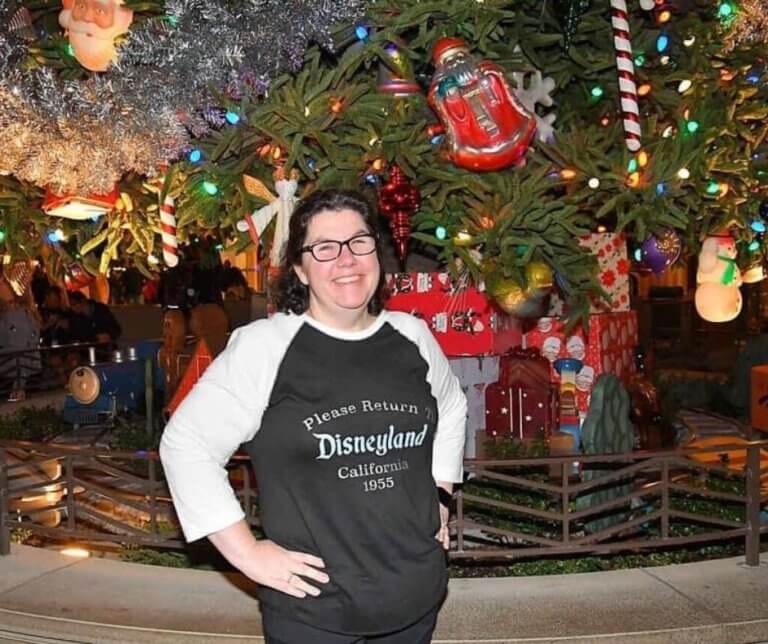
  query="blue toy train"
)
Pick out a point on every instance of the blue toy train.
point(102, 390)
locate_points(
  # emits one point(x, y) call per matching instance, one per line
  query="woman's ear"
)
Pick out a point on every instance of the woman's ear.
point(301, 274)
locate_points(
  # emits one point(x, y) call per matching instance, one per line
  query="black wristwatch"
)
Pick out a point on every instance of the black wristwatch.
point(444, 496)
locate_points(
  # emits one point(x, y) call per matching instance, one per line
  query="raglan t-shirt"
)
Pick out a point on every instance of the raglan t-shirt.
point(347, 432)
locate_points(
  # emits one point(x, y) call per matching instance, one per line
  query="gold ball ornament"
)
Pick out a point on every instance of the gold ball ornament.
point(508, 294)
point(539, 276)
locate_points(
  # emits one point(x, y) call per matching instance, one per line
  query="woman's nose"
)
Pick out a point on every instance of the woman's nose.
point(346, 256)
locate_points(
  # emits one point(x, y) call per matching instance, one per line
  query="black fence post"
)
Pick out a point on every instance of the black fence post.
point(5, 528)
point(752, 545)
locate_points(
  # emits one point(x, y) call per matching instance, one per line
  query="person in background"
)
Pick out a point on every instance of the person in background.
point(40, 283)
point(133, 281)
point(55, 319)
point(150, 292)
point(95, 322)
point(355, 427)
point(232, 282)
point(19, 340)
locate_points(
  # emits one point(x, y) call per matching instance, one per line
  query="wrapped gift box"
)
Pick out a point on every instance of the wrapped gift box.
point(613, 276)
point(462, 318)
point(609, 348)
point(523, 402)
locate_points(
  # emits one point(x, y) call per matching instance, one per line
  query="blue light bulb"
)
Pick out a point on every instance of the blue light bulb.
point(662, 42)
point(758, 226)
point(195, 156)
point(361, 31)
point(232, 118)
point(661, 188)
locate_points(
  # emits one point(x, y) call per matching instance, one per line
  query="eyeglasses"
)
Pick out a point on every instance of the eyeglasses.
point(330, 249)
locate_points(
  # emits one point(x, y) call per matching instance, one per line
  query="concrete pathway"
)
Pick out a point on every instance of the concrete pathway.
point(46, 597)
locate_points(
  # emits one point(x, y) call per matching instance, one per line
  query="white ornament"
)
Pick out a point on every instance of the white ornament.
point(281, 208)
point(533, 88)
point(717, 297)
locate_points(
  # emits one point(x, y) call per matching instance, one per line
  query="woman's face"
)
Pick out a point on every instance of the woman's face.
point(340, 289)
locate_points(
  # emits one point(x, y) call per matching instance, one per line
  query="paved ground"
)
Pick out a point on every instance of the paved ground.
point(46, 597)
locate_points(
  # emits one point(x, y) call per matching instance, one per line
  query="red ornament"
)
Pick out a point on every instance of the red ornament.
point(398, 200)
point(487, 128)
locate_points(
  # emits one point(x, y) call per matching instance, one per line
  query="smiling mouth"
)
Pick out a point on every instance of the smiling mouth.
point(350, 279)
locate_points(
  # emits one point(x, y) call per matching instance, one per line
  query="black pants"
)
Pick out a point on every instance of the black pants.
point(279, 629)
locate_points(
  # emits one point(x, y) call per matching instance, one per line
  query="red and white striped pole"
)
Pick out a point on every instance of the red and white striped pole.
point(626, 71)
point(168, 232)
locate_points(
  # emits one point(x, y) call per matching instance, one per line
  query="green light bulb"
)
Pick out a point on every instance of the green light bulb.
point(713, 188)
point(210, 187)
point(597, 91)
point(632, 166)
point(725, 10)
point(692, 126)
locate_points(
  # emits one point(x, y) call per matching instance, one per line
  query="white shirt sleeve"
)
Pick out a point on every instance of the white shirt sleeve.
point(448, 448)
point(222, 411)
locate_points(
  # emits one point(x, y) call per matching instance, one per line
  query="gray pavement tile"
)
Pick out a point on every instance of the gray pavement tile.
point(113, 592)
point(730, 590)
point(590, 604)
point(27, 564)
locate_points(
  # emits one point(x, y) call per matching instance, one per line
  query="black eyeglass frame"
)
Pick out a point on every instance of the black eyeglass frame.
point(341, 244)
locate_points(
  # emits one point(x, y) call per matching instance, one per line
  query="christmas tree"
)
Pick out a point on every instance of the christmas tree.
point(356, 108)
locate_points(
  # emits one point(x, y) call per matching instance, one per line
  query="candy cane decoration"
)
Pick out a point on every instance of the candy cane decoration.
point(626, 71)
point(168, 228)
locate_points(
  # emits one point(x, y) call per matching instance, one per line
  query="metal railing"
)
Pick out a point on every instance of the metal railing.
point(506, 509)
point(43, 368)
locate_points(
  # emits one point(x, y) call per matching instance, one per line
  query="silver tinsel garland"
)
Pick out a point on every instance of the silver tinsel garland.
point(82, 136)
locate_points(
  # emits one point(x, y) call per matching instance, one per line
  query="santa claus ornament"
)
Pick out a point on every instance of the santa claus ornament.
point(486, 126)
point(92, 26)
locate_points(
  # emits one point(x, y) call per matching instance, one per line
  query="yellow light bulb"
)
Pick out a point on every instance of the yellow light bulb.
point(684, 173)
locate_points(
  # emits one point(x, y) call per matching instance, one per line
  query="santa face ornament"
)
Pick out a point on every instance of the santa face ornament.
point(92, 26)
point(487, 128)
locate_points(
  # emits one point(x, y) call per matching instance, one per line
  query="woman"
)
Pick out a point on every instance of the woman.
point(351, 416)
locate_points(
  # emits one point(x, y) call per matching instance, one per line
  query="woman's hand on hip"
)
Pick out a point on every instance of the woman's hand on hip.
point(442, 534)
point(286, 570)
point(269, 564)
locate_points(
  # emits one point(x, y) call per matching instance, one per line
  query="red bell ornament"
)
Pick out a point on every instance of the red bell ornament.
point(487, 128)
point(398, 200)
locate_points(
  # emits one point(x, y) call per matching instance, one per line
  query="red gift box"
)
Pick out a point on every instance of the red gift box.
point(523, 403)
point(609, 348)
point(462, 318)
point(613, 274)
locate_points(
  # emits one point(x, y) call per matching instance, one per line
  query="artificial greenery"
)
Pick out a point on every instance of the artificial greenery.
point(329, 122)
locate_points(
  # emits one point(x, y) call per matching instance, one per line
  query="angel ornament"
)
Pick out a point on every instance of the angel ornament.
point(280, 207)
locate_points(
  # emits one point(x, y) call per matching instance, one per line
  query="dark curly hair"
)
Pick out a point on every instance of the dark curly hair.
point(289, 295)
